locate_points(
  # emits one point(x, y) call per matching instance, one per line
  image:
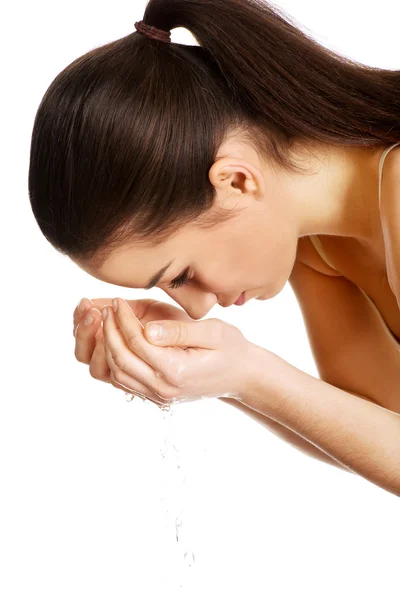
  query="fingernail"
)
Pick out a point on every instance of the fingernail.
point(115, 305)
point(89, 319)
point(82, 306)
point(104, 312)
point(156, 332)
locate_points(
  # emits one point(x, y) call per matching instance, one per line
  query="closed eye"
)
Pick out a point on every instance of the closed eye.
point(183, 279)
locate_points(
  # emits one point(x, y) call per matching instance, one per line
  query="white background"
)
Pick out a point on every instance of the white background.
point(83, 483)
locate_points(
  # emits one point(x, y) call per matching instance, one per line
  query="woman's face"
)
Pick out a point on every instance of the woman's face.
point(255, 252)
point(252, 253)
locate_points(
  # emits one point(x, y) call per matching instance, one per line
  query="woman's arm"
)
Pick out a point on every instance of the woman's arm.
point(286, 434)
point(361, 435)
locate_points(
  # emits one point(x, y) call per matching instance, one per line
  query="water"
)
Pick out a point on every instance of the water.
point(172, 505)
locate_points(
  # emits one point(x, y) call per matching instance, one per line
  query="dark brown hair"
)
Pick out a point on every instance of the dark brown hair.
point(125, 136)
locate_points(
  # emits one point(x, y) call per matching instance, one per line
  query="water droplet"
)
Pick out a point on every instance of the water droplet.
point(189, 558)
point(178, 521)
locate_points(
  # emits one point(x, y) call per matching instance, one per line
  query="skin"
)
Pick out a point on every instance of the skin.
point(257, 250)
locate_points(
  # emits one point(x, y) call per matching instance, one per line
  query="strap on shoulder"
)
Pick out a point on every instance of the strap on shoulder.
point(320, 249)
point(381, 163)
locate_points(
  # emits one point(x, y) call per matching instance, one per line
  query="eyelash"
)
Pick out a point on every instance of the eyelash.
point(180, 281)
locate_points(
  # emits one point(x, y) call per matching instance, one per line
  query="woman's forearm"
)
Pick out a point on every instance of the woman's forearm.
point(286, 434)
point(361, 435)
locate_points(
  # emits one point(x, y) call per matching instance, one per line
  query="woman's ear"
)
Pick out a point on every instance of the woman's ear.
point(240, 175)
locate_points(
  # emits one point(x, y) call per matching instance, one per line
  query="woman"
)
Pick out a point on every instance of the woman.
point(214, 169)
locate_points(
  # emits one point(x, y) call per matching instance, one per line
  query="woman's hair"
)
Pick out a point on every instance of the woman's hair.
point(125, 136)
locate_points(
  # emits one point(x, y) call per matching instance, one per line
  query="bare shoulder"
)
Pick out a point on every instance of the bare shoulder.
point(350, 347)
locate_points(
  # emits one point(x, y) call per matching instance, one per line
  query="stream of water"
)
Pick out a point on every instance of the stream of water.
point(172, 506)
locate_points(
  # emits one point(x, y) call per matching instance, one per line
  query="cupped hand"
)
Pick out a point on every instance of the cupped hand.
point(89, 339)
point(196, 359)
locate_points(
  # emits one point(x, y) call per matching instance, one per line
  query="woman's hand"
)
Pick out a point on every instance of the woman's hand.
point(197, 359)
point(89, 339)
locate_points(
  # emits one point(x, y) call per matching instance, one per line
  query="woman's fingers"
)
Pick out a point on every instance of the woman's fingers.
point(91, 349)
point(125, 338)
point(129, 384)
point(85, 305)
point(79, 312)
point(99, 367)
point(85, 340)
point(126, 360)
point(126, 345)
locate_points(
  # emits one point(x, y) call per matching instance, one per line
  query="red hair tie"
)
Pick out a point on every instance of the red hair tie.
point(153, 33)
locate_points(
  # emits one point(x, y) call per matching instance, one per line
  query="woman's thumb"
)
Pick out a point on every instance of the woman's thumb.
point(184, 334)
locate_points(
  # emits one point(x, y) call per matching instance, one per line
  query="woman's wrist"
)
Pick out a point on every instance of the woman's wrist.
point(265, 377)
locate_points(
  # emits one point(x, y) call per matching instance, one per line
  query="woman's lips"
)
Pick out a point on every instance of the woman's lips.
point(241, 300)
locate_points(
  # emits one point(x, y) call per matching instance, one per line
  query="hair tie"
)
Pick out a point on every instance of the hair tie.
point(153, 33)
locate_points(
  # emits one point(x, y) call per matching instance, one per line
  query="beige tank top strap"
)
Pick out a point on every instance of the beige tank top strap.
point(320, 249)
point(381, 162)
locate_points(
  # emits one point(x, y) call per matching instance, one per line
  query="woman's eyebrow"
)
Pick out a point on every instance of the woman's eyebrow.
point(156, 278)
